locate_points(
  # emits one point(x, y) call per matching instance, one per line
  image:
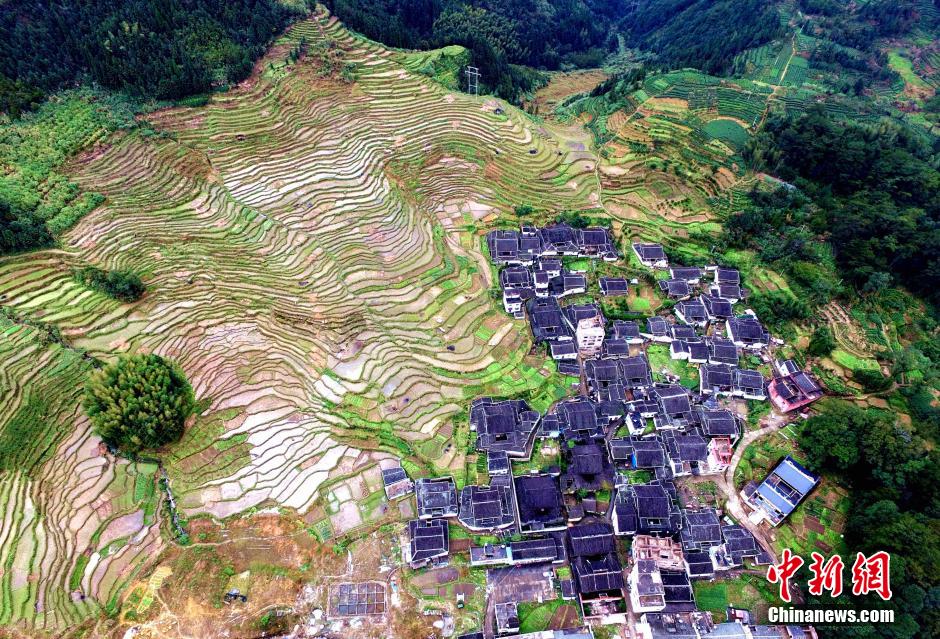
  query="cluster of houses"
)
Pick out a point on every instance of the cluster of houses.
point(621, 442)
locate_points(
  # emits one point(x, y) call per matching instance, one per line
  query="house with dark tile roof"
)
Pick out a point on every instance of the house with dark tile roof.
point(651, 255)
point(530, 244)
point(613, 286)
point(550, 265)
point(699, 565)
point(615, 348)
point(675, 289)
point(497, 463)
point(678, 591)
point(719, 423)
point(731, 292)
point(686, 453)
point(691, 312)
point(683, 332)
point(563, 351)
point(690, 274)
point(645, 453)
point(559, 239)
point(628, 331)
point(503, 425)
point(538, 550)
point(436, 497)
point(716, 308)
point(674, 403)
point(539, 503)
point(748, 384)
point(566, 284)
point(503, 246)
point(489, 555)
point(646, 509)
point(691, 350)
point(657, 329)
point(547, 321)
point(701, 530)
point(596, 242)
point(579, 419)
point(739, 544)
point(727, 276)
point(488, 508)
point(589, 468)
point(515, 277)
point(635, 371)
point(747, 332)
point(596, 569)
point(716, 379)
point(429, 541)
point(518, 288)
point(722, 351)
point(396, 482)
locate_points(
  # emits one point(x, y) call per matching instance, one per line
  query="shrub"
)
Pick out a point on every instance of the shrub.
point(139, 402)
point(822, 343)
point(871, 380)
point(776, 308)
point(123, 285)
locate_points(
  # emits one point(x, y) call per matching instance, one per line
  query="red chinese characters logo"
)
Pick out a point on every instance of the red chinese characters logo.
point(782, 572)
point(827, 575)
point(870, 574)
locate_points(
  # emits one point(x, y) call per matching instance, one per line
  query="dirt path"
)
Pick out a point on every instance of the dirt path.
point(772, 423)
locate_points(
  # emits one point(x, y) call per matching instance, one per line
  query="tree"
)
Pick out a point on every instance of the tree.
point(822, 343)
point(871, 380)
point(830, 441)
point(123, 285)
point(139, 402)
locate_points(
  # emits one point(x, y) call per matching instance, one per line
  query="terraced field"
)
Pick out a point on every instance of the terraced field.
point(311, 248)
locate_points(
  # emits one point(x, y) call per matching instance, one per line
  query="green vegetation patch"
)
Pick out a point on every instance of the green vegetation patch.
point(536, 617)
point(123, 285)
point(728, 131)
point(853, 362)
point(138, 403)
point(37, 200)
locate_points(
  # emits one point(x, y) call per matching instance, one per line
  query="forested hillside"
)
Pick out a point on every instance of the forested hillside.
point(703, 34)
point(877, 195)
point(565, 34)
point(162, 49)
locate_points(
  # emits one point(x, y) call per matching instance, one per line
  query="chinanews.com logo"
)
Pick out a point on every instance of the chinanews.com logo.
point(871, 575)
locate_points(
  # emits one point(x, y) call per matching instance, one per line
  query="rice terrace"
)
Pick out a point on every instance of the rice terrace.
point(308, 262)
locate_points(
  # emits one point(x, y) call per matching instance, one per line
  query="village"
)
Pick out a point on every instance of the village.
point(625, 438)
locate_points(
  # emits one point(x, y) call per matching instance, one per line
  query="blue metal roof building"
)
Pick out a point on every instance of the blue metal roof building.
point(785, 487)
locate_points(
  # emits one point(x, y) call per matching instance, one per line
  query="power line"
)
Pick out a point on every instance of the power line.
point(473, 80)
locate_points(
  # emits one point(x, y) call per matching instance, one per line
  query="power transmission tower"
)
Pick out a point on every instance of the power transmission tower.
point(473, 80)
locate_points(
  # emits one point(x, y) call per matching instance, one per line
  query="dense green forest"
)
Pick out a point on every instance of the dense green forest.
point(876, 191)
point(163, 49)
point(704, 34)
point(894, 476)
point(567, 34)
